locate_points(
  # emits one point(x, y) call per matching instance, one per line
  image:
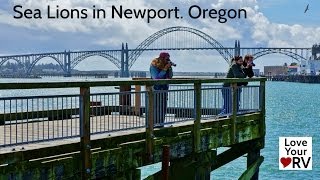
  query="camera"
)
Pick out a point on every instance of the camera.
point(172, 63)
point(253, 64)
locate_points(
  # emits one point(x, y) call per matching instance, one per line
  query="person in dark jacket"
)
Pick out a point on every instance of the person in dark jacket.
point(236, 70)
point(160, 68)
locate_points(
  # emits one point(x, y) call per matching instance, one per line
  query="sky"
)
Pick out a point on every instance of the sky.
point(271, 23)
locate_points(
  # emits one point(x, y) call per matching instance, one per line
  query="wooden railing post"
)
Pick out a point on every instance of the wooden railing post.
point(235, 104)
point(263, 105)
point(149, 125)
point(197, 120)
point(137, 101)
point(85, 146)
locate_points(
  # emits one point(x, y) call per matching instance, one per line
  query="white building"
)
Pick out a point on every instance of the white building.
point(314, 67)
point(310, 67)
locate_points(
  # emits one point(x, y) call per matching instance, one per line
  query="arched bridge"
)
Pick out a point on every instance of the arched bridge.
point(151, 39)
point(173, 38)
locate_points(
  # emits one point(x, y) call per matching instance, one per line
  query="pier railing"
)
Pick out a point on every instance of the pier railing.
point(29, 119)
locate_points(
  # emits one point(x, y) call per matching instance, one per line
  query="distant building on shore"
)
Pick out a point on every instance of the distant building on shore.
point(313, 67)
point(313, 64)
point(275, 70)
point(293, 70)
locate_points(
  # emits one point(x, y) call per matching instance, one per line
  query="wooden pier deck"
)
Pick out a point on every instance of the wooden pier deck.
point(44, 130)
point(119, 154)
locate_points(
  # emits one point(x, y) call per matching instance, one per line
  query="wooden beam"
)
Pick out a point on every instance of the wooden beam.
point(263, 107)
point(228, 156)
point(234, 90)
point(85, 144)
point(197, 118)
point(234, 152)
point(149, 126)
point(137, 101)
point(249, 173)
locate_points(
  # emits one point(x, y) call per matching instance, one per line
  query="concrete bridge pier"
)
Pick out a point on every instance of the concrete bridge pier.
point(126, 62)
point(67, 64)
point(124, 71)
point(237, 48)
point(122, 61)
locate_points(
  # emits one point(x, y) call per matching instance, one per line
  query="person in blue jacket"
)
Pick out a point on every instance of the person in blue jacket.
point(160, 68)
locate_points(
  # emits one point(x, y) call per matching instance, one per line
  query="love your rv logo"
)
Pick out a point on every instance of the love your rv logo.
point(295, 153)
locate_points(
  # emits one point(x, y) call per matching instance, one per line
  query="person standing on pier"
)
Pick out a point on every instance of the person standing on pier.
point(248, 64)
point(236, 70)
point(160, 68)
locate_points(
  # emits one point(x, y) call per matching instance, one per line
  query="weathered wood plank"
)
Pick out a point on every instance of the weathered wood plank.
point(197, 118)
point(252, 169)
point(233, 153)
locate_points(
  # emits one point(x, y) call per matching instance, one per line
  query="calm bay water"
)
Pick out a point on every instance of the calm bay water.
point(292, 109)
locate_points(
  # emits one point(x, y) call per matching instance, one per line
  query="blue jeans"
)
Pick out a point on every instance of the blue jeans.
point(227, 99)
point(159, 108)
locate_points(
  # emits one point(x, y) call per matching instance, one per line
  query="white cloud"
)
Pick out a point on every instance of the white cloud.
point(257, 26)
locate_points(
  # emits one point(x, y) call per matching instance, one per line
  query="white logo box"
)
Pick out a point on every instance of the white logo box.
point(295, 153)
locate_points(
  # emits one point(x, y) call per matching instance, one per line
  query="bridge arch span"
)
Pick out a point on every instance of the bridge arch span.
point(8, 59)
point(34, 62)
point(293, 55)
point(82, 57)
point(147, 42)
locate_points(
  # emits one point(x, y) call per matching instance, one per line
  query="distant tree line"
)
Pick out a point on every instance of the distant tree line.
point(41, 67)
point(38, 68)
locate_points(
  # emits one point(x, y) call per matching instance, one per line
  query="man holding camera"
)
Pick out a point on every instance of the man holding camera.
point(161, 68)
point(248, 64)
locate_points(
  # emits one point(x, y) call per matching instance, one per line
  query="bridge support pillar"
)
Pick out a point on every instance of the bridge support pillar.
point(122, 61)
point(124, 71)
point(67, 64)
point(126, 62)
point(237, 48)
point(315, 50)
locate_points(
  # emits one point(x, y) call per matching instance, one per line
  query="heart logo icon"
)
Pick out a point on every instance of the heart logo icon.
point(285, 161)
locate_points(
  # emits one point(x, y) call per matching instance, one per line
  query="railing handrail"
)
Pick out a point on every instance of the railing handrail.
point(149, 82)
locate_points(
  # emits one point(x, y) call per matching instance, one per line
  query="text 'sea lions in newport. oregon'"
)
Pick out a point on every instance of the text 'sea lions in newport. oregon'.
point(140, 89)
point(194, 12)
